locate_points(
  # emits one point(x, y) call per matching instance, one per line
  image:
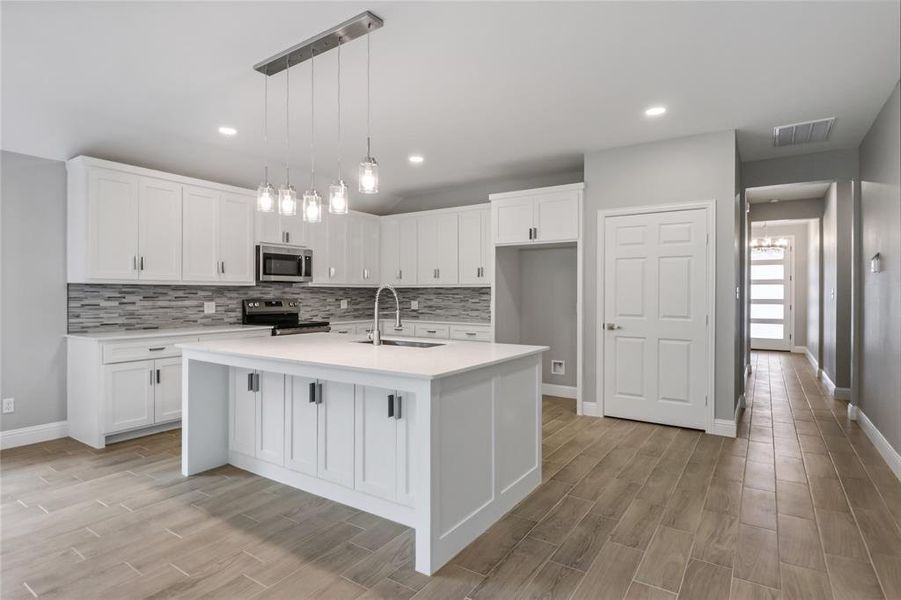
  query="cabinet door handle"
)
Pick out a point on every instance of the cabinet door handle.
point(250, 382)
point(157, 375)
point(134, 263)
point(256, 382)
point(223, 267)
point(398, 406)
point(318, 393)
point(313, 392)
point(390, 406)
point(400, 274)
point(331, 272)
point(142, 263)
point(287, 237)
point(536, 232)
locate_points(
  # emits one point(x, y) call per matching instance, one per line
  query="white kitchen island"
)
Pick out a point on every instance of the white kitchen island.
point(445, 440)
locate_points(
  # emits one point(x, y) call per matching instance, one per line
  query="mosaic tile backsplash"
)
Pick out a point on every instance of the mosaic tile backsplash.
point(113, 307)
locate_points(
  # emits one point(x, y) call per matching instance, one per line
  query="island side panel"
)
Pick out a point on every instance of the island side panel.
point(204, 420)
point(485, 451)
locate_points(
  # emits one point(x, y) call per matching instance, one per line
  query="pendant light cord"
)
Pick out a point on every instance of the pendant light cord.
point(287, 119)
point(266, 126)
point(313, 119)
point(339, 109)
point(368, 91)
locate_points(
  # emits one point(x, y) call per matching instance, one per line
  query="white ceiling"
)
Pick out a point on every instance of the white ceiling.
point(787, 192)
point(482, 90)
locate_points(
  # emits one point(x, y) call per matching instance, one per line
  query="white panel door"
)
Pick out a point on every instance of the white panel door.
point(390, 251)
point(200, 219)
point(405, 413)
point(771, 299)
point(160, 233)
point(270, 417)
point(471, 247)
point(236, 214)
point(167, 392)
point(243, 415)
point(129, 395)
point(557, 217)
point(376, 442)
point(427, 249)
point(336, 433)
point(113, 224)
point(512, 220)
point(301, 428)
point(337, 248)
point(655, 310)
point(447, 247)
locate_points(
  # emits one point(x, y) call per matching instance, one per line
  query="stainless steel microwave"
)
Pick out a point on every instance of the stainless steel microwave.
point(283, 262)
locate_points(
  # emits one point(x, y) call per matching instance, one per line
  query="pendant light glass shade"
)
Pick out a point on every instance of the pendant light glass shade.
point(312, 206)
point(266, 197)
point(287, 200)
point(368, 182)
point(337, 198)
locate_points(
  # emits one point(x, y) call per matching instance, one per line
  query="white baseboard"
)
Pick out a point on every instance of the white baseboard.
point(799, 350)
point(723, 427)
point(852, 412)
point(830, 387)
point(812, 360)
point(842, 393)
point(23, 436)
point(562, 391)
point(591, 409)
point(891, 456)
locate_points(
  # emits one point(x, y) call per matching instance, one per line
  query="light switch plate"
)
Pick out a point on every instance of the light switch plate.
point(414, 305)
point(558, 367)
point(9, 405)
point(209, 307)
point(344, 304)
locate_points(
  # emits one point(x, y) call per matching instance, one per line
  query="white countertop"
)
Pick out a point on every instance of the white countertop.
point(323, 349)
point(136, 334)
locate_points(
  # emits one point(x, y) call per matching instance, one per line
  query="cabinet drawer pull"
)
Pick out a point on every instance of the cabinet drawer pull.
point(390, 406)
point(398, 329)
point(470, 333)
point(156, 349)
point(431, 331)
point(313, 392)
point(398, 407)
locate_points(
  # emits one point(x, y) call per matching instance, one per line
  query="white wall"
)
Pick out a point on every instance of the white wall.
point(689, 169)
point(880, 357)
point(33, 305)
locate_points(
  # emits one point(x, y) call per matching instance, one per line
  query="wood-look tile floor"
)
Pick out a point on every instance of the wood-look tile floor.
point(799, 506)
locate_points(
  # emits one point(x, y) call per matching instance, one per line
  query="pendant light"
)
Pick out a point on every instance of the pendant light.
point(312, 201)
point(287, 195)
point(369, 168)
point(768, 245)
point(337, 192)
point(266, 193)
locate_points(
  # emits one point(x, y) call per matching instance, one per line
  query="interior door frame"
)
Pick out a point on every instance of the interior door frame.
point(709, 206)
point(789, 320)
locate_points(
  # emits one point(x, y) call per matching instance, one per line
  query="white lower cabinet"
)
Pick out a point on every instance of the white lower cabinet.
point(335, 461)
point(258, 414)
point(301, 426)
point(383, 435)
point(142, 393)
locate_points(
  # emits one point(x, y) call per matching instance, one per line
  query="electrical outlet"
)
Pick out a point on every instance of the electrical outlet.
point(9, 405)
point(209, 307)
point(414, 305)
point(344, 304)
point(558, 367)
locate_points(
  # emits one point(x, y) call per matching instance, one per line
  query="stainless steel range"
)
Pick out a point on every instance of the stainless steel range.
point(282, 314)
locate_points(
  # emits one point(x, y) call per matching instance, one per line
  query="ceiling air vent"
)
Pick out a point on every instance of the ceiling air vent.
point(802, 133)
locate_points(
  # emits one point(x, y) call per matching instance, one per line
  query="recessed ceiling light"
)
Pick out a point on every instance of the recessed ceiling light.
point(226, 130)
point(655, 111)
point(416, 159)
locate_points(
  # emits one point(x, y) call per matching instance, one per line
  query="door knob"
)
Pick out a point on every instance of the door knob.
point(611, 326)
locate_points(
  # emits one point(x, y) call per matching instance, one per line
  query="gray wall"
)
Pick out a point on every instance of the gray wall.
point(811, 208)
point(801, 168)
point(33, 303)
point(814, 289)
point(548, 307)
point(829, 250)
point(477, 192)
point(880, 358)
point(682, 170)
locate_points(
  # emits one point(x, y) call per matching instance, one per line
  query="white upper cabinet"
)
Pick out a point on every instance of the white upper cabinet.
point(345, 249)
point(127, 223)
point(272, 228)
point(336, 255)
point(371, 247)
point(398, 250)
point(475, 267)
point(546, 215)
point(437, 248)
point(317, 240)
point(159, 236)
point(112, 224)
point(217, 230)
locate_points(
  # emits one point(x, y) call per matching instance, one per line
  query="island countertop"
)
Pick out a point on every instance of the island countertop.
point(323, 349)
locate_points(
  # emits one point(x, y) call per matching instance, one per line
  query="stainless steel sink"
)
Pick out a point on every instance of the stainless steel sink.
point(405, 343)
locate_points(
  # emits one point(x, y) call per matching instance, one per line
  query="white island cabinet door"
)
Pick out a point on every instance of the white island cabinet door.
point(236, 249)
point(242, 417)
point(301, 428)
point(512, 220)
point(270, 409)
point(200, 253)
point(336, 433)
point(167, 395)
point(160, 234)
point(113, 224)
point(129, 395)
point(376, 442)
point(557, 217)
point(405, 413)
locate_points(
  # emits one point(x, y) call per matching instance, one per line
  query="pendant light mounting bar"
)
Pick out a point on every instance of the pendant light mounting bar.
point(358, 26)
